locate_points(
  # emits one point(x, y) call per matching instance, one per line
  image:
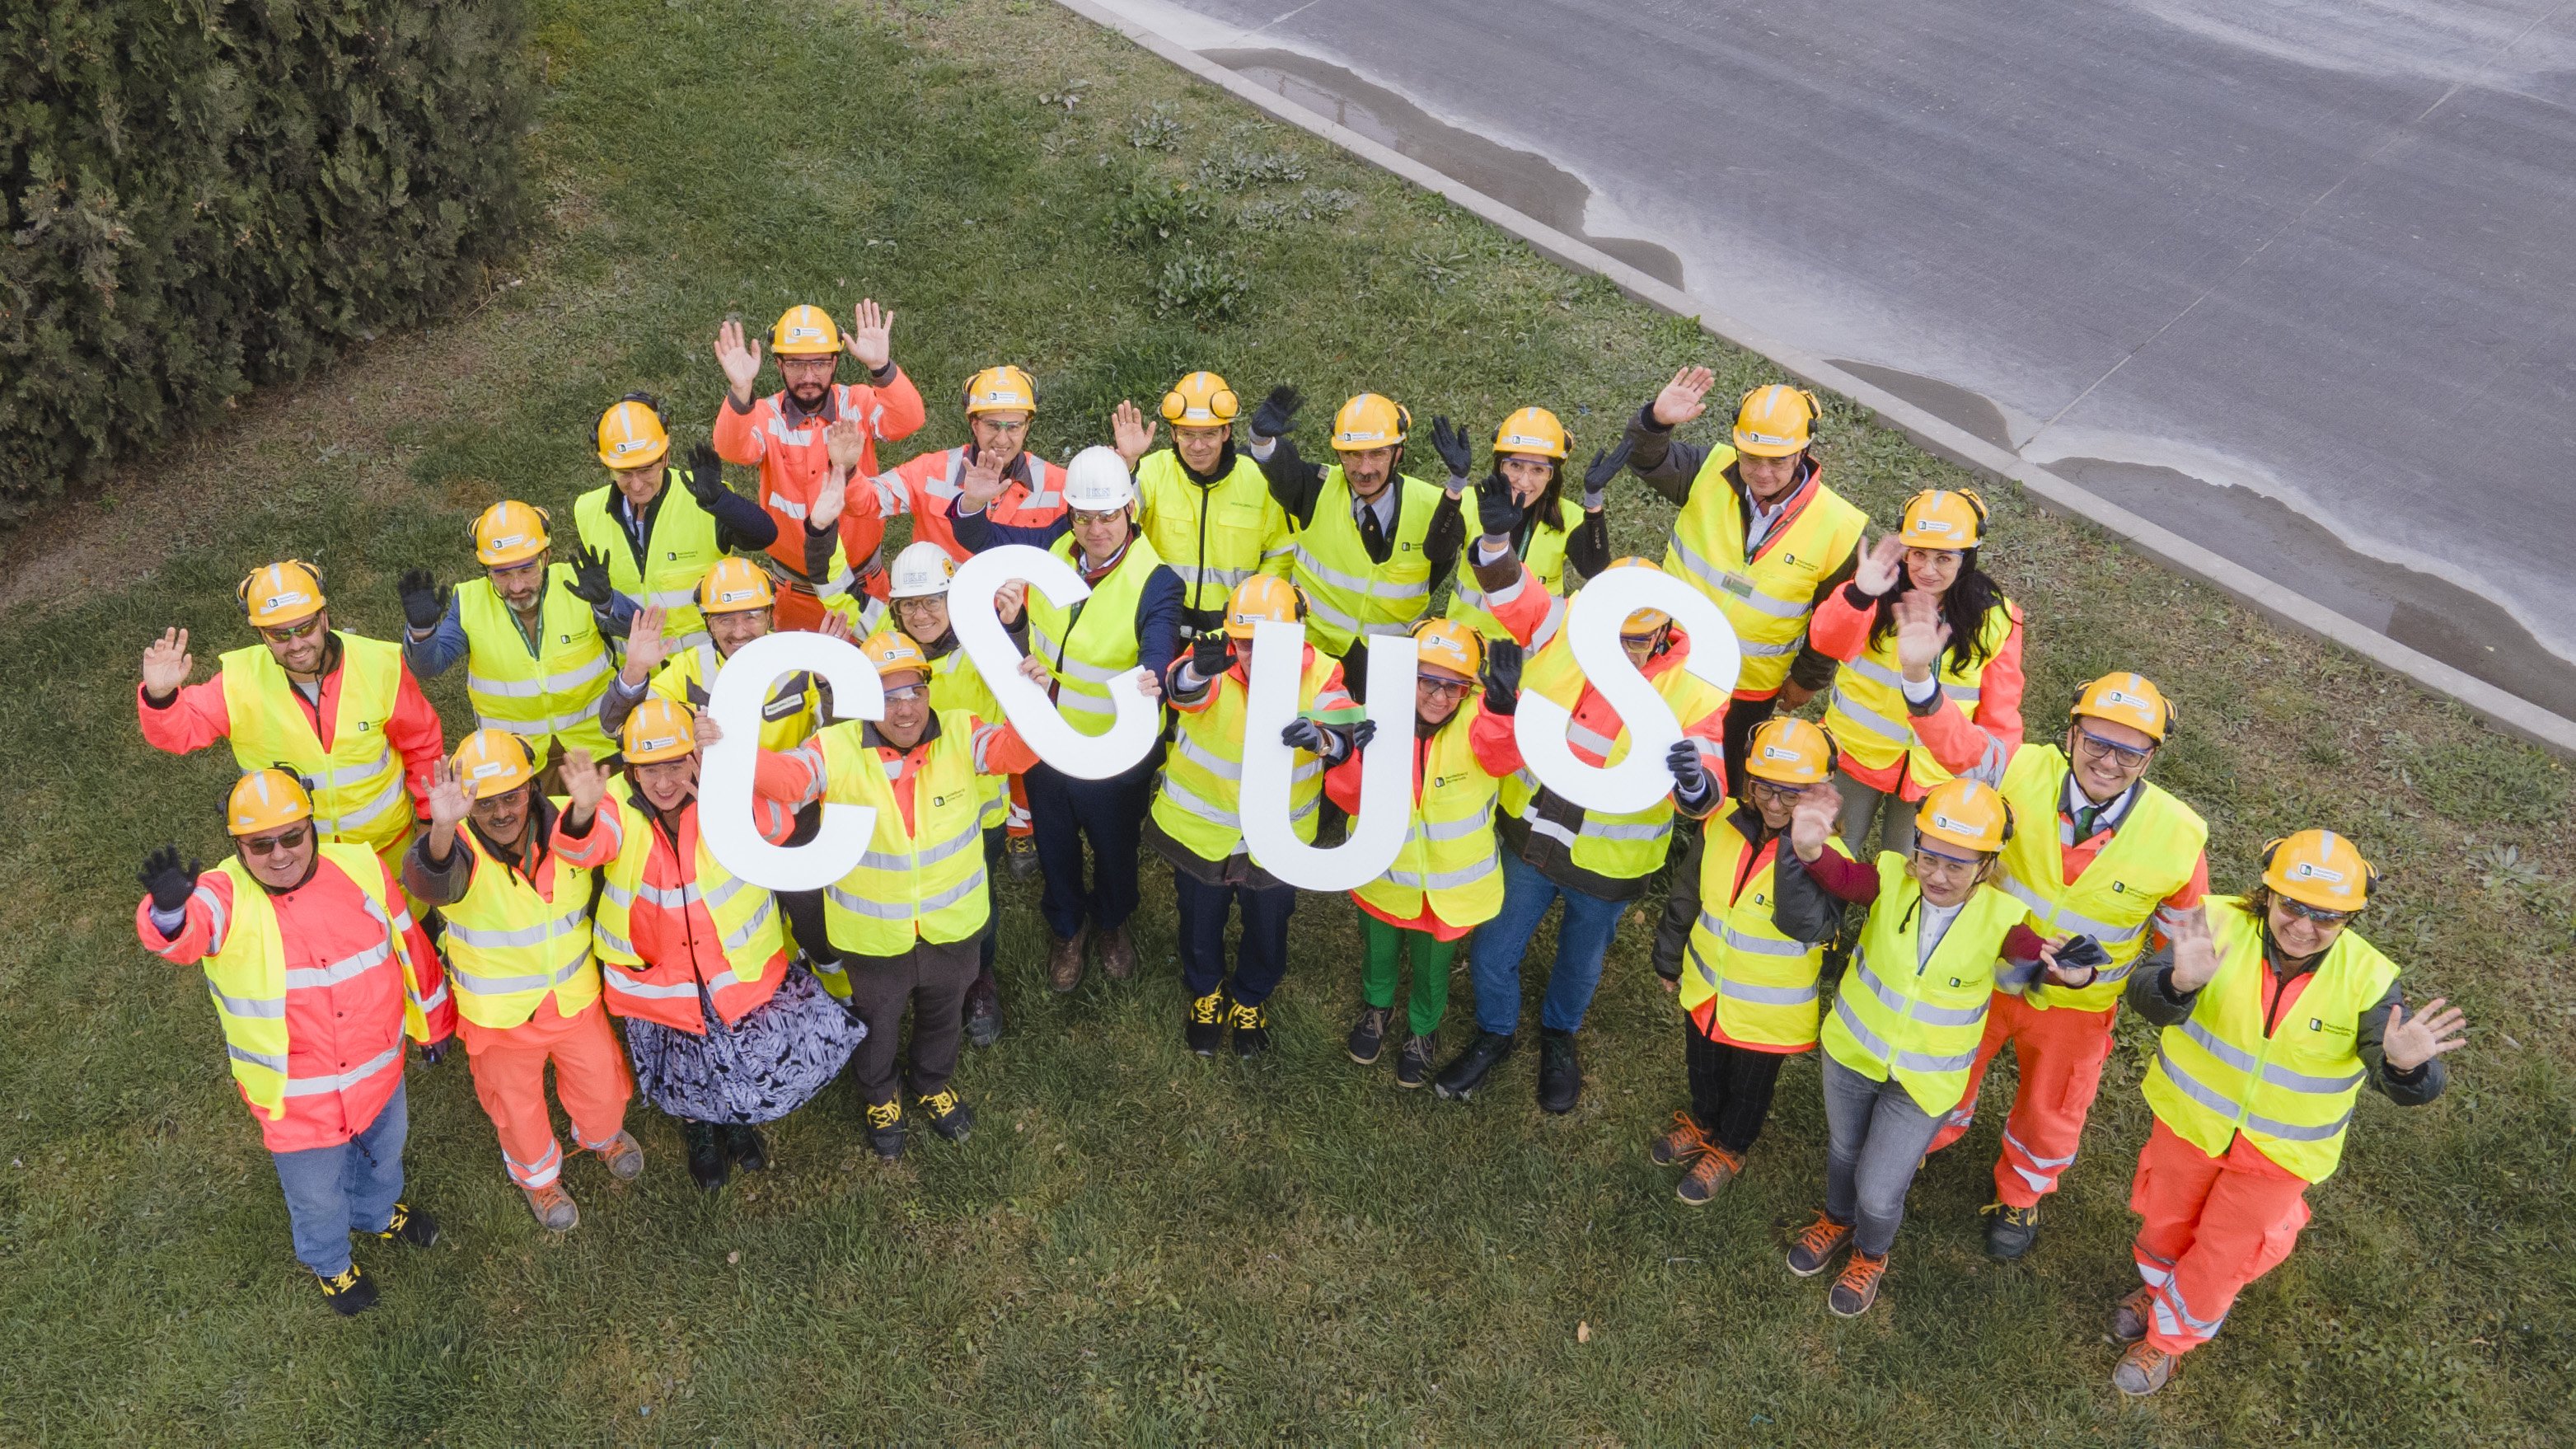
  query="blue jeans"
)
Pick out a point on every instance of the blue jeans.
point(332, 1192)
point(1582, 940)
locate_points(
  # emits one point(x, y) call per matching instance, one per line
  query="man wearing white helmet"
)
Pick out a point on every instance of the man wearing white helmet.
point(1132, 618)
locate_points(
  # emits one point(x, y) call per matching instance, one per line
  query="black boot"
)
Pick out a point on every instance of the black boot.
point(983, 1012)
point(885, 1129)
point(743, 1143)
point(1459, 1080)
point(1369, 1036)
point(1203, 1028)
point(1560, 1076)
point(709, 1163)
point(949, 1117)
point(1413, 1064)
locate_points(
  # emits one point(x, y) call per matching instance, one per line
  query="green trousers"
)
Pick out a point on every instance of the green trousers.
point(1388, 949)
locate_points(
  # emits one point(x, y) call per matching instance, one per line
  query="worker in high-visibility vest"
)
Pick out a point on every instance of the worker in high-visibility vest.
point(907, 918)
point(1372, 542)
point(1548, 531)
point(1197, 820)
point(318, 973)
point(514, 886)
point(1447, 879)
point(1132, 619)
point(536, 656)
point(1758, 532)
point(817, 431)
point(725, 1032)
point(1203, 505)
point(340, 710)
point(2274, 1014)
point(1908, 1013)
point(655, 529)
point(1932, 557)
point(1749, 999)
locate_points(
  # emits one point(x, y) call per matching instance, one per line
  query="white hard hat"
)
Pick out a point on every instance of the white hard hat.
point(1097, 481)
point(922, 570)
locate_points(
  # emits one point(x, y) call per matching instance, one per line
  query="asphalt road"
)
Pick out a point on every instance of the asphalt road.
point(2291, 278)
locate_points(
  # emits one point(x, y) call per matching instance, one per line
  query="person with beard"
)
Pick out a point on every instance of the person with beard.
point(1204, 506)
point(1548, 531)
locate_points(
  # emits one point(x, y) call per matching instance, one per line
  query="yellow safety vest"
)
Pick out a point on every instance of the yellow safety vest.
point(926, 883)
point(793, 712)
point(358, 783)
point(1347, 592)
point(955, 683)
point(247, 980)
point(2291, 1090)
point(1092, 644)
point(678, 553)
point(1448, 859)
point(745, 915)
point(508, 945)
point(1764, 982)
point(2154, 853)
point(1766, 598)
point(1545, 558)
point(1867, 715)
point(1625, 846)
point(1213, 537)
point(1198, 800)
point(536, 694)
point(1920, 1021)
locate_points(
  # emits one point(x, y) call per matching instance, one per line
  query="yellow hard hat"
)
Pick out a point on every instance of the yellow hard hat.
point(1786, 750)
point(921, 571)
point(1534, 432)
point(493, 762)
point(2319, 868)
point(1776, 421)
point(1643, 621)
point(2127, 699)
point(892, 651)
point(631, 435)
point(1965, 813)
point(805, 330)
point(659, 729)
point(1449, 645)
point(1260, 597)
point(1200, 400)
point(286, 592)
point(265, 800)
point(1369, 421)
point(1003, 389)
point(1941, 518)
point(734, 585)
point(509, 533)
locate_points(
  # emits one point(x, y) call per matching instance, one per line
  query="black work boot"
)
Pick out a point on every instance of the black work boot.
point(1251, 1026)
point(885, 1129)
point(983, 1012)
point(410, 1225)
point(744, 1144)
point(1204, 1026)
point(709, 1162)
point(948, 1116)
point(1413, 1064)
point(1368, 1036)
point(1466, 1071)
point(1560, 1076)
point(350, 1294)
point(2012, 1232)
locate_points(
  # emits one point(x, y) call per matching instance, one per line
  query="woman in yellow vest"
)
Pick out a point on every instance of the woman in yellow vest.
point(1204, 506)
point(1909, 1012)
point(1548, 531)
point(1979, 674)
point(1749, 993)
point(906, 921)
point(652, 531)
point(514, 886)
point(2275, 1014)
point(1447, 880)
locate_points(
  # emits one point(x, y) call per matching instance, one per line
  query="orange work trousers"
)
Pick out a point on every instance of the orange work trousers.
point(591, 1079)
point(2061, 1052)
point(2212, 1226)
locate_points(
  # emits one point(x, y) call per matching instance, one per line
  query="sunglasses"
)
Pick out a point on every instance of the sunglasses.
point(1445, 686)
point(2098, 748)
point(289, 633)
point(291, 838)
point(2308, 912)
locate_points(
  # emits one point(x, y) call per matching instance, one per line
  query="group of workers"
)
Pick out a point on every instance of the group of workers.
point(551, 872)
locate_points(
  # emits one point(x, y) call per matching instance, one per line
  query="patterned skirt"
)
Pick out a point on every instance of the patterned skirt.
point(760, 1068)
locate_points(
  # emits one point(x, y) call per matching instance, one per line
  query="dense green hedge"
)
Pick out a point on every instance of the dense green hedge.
point(200, 197)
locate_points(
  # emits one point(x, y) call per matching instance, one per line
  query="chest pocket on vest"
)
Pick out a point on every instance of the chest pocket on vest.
point(1239, 524)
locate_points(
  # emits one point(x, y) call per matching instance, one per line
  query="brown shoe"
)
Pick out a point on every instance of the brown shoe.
point(2143, 1369)
point(1713, 1170)
point(1064, 960)
point(624, 1156)
point(2129, 1316)
point(1118, 954)
point(1683, 1144)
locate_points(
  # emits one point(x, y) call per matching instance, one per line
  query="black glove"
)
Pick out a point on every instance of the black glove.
point(1495, 507)
point(1360, 734)
point(705, 476)
point(424, 599)
point(1598, 473)
point(1277, 413)
point(1355, 670)
point(436, 1052)
point(1211, 654)
point(1451, 443)
point(1690, 775)
point(1305, 734)
point(169, 882)
point(590, 579)
point(1503, 677)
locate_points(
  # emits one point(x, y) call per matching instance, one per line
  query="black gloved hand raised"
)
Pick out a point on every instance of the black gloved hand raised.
point(1451, 443)
point(1690, 772)
point(705, 476)
point(1502, 677)
point(169, 882)
point(590, 579)
point(424, 600)
point(1360, 734)
point(1496, 509)
point(1598, 473)
point(1211, 654)
point(1277, 413)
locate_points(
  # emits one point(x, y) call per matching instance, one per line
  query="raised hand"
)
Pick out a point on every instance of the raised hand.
point(585, 780)
point(645, 646)
point(1010, 599)
point(705, 476)
point(1497, 512)
point(167, 881)
point(1874, 568)
point(739, 357)
point(832, 496)
point(1690, 772)
point(590, 578)
point(166, 663)
point(1277, 413)
point(704, 730)
point(1450, 442)
point(1130, 433)
point(1921, 633)
point(2195, 954)
point(836, 625)
point(451, 799)
point(424, 601)
point(2411, 1041)
point(871, 335)
point(1685, 397)
point(1503, 677)
point(1812, 819)
point(1211, 654)
point(846, 442)
point(978, 484)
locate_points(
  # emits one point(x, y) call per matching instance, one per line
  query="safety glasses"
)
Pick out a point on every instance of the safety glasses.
point(2128, 757)
point(291, 838)
point(1760, 790)
point(290, 633)
point(1940, 864)
point(906, 692)
point(2308, 912)
point(1451, 688)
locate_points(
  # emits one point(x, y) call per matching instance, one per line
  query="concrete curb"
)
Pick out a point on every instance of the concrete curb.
point(2508, 712)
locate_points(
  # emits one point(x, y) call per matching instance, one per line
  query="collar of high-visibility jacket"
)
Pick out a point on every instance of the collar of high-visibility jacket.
point(1759, 521)
point(2072, 801)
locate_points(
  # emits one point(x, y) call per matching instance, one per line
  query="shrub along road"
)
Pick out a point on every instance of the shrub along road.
point(1138, 1245)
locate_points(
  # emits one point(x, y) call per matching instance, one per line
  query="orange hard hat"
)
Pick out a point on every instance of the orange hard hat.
point(1776, 421)
point(1453, 648)
point(2319, 868)
point(1786, 750)
point(734, 585)
point(265, 800)
point(493, 762)
point(287, 592)
point(893, 652)
point(1944, 518)
point(509, 533)
point(2127, 699)
point(1532, 432)
point(1262, 597)
point(659, 729)
point(804, 330)
point(1369, 422)
point(1965, 813)
point(631, 435)
point(1200, 400)
point(1003, 389)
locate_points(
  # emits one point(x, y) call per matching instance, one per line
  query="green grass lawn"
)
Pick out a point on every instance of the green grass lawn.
point(1139, 1246)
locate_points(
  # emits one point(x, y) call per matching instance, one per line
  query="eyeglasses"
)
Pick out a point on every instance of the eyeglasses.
point(1936, 861)
point(2095, 747)
point(289, 633)
point(906, 692)
point(291, 838)
point(1453, 687)
point(1778, 794)
point(2308, 912)
point(1099, 520)
point(510, 799)
point(808, 364)
point(991, 426)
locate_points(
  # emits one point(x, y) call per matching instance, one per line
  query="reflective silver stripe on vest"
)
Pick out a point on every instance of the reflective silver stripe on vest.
point(551, 725)
point(305, 978)
point(564, 683)
point(2277, 1075)
point(1207, 759)
point(1446, 879)
point(1909, 1061)
point(1870, 719)
point(243, 1006)
point(741, 937)
point(1452, 829)
point(316, 1086)
point(1716, 578)
point(501, 985)
point(1755, 945)
point(2057, 915)
point(1754, 650)
point(1374, 588)
point(625, 985)
point(1576, 732)
point(2234, 1111)
point(1196, 576)
point(275, 1064)
point(1049, 647)
point(1188, 802)
point(1766, 995)
point(666, 897)
point(905, 910)
point(1909, 1007)
point(971, 834)
point(1077, 702)
point(612, 940)
point(220, 919)
point(564, 925)
point(732, 886)
point(1316, 606)
point(664, 599)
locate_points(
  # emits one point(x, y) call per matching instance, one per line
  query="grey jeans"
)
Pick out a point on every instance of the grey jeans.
point(1861, 806)
point(1875, 1139)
